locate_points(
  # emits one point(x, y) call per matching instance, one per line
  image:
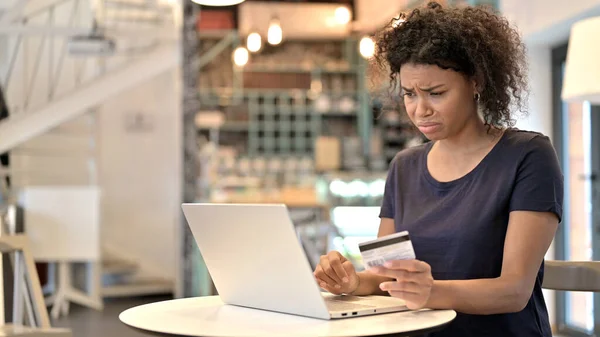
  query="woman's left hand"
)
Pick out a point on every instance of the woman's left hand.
point(413, 281)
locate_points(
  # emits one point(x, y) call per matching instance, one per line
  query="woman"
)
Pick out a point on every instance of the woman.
point(482, 200)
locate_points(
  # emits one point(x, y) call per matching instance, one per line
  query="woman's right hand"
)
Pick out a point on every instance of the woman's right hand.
point(336, 274)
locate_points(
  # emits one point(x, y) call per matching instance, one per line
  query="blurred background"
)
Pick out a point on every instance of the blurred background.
point(114, 112)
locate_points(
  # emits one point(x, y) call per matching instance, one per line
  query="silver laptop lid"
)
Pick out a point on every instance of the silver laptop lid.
point(254, 257)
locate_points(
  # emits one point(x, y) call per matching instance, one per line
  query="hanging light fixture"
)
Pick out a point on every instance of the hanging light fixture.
point(218, 2)
point(254, 42)
point(240, 56)
point(367, 47)
point(582, 71)
point(275, 33)
point(342, 15)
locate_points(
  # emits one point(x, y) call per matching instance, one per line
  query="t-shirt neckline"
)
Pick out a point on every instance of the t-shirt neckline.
point(450, 184)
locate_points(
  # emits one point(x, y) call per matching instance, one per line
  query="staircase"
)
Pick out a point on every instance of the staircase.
point(53, 94)
point(24, 126)
point(120, 278)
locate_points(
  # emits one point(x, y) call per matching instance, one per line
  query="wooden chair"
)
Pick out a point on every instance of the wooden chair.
point(27, 297)
point(572, 275)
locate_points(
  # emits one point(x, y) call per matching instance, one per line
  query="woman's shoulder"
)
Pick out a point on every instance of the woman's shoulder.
point(410, 156)
point(520, 143)
point(520, 137)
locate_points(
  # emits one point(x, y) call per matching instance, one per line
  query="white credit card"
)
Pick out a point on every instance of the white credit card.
point(387, 248)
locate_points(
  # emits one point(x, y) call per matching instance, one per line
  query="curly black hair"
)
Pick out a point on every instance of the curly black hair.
point(470, 40)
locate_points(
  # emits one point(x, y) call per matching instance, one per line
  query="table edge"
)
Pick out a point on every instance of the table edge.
point(399, 334)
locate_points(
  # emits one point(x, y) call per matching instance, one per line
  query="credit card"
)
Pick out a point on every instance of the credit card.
point(387, 248)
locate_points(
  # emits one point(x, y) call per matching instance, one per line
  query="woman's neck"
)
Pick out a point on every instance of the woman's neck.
point(474, 137)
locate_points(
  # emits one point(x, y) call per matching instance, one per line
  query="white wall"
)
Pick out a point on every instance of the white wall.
point(547, 21)
point(539, 104)
point(140, 174)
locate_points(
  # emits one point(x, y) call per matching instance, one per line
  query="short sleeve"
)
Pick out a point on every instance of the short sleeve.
point(539, 182)
point(389, 194)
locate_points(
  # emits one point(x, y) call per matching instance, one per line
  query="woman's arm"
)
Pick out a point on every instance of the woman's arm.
point(528, 237)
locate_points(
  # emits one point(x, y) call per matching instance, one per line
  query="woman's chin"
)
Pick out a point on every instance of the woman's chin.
point(435, 136)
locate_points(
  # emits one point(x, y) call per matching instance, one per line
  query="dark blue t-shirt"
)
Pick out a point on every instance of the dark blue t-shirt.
point(459, 227)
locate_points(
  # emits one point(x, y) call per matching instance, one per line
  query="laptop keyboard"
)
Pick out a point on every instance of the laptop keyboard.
point(334, 305)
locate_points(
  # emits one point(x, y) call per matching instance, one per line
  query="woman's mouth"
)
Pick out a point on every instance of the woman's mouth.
point(429, 127)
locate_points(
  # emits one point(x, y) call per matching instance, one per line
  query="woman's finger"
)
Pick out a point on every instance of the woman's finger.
point(333, 290)
point(409, 287)
point(393, 273)
point(350, 270)
point(414, 266)
point(323, 277)
point(336, 265)
point(327, 269)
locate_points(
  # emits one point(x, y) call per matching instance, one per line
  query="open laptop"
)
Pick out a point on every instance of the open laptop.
point(256, 260)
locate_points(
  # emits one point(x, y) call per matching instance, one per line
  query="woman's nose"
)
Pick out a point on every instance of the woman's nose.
point(423, 108)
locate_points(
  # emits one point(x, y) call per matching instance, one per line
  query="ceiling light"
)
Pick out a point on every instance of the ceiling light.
point(275, 33)
point(342, 15)
point(240, 56)
point(218, 2)
point(254, 42)
point(367, 47)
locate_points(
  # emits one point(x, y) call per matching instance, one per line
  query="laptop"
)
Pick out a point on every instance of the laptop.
point(256, 261)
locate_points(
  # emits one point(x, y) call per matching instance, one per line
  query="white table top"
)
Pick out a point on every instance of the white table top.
point(208, 316)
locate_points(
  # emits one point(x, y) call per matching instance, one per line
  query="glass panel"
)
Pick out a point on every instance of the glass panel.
point(577, 142)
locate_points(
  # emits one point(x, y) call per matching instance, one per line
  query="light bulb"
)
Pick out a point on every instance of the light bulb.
point(218, 2)
point(240, 56)
point(275, 33)
point(342, 15)
point(367, 47)
point(254, 42)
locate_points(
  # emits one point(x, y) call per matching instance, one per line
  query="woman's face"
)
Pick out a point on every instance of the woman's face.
point(439, 102)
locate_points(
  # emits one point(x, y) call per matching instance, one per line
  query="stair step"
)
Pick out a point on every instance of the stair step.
point(117, 266)
point(139, 288)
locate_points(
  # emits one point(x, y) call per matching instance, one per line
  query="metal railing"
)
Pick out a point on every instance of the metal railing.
point(38, 41)
point(38, 66)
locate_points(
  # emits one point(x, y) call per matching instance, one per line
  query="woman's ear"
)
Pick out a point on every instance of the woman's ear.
point(478, 83)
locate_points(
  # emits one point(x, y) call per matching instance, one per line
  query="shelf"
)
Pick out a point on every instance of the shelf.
point(229, 126)
point(227, 92)
point(214, 34)
point(364, 175)
point(266, 68)
point(338, 114)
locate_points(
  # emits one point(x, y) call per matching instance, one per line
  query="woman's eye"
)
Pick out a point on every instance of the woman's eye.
point(408, 94)
point(437, 93)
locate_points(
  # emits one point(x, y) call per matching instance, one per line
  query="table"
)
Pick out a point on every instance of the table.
point(209, 316)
